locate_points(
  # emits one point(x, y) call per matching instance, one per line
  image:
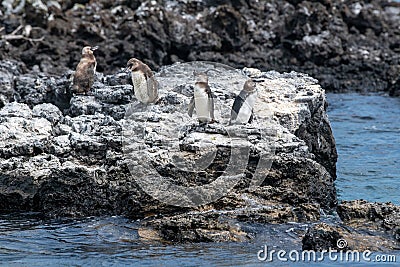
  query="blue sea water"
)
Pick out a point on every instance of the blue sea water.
point(367, 132)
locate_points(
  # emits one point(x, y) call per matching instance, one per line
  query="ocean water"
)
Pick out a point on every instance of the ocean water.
point(367, 132)
point(25, 240)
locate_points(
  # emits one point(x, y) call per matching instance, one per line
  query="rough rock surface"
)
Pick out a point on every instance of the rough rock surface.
point(68, 159)
point(324, 236)
point(365, 225)
point(207, 227)
point(361, 214)
point(347, 45)
point(9, 70)
point(64, 155)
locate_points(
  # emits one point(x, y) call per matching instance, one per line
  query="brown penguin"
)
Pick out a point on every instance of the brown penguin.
point(85, 71)
point(144, 83)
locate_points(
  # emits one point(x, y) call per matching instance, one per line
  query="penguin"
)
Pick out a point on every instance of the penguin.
point(202, 99)
point(144, 83)
point(85, 71)
point(242, 108)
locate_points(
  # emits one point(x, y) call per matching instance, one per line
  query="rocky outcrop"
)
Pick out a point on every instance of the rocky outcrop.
point(73, 156)
point(361, 211)
point(361, 214)
point(9, 70)
point(327, 237)
point(346, 45)
point(364, 226)
point(208, 227)
point(69, 156)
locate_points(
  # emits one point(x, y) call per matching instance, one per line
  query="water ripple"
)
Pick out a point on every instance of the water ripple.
point(367, 133)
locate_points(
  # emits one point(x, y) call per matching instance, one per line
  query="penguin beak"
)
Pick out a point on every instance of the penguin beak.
point(94, 48)
point(126, 69)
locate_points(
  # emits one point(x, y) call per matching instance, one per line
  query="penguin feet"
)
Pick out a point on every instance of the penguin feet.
point(252, 119)
point(159, 101)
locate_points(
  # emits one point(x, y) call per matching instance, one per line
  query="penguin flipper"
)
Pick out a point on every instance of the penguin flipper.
point(152, 89)
point(211, 108)
point(235, 108)
point(237, 105)
point(191, 107)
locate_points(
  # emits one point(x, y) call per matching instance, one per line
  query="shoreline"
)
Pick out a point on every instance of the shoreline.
point(68, 163)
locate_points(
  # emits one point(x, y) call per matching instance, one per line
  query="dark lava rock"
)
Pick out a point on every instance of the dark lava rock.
point(395, 88)
point(63, 155)
point(327, 237)
point(361, 214)
point(66, 157)
point(48, 112)
point(321, 237)
point(195, 227)
point(291, 173)
point(9, 70)
point(347, 45)
point(281, 214)
point(366, 225)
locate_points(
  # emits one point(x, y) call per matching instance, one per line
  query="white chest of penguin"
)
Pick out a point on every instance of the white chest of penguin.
point(246, 109)
point(140, 86)
point(202, 104)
